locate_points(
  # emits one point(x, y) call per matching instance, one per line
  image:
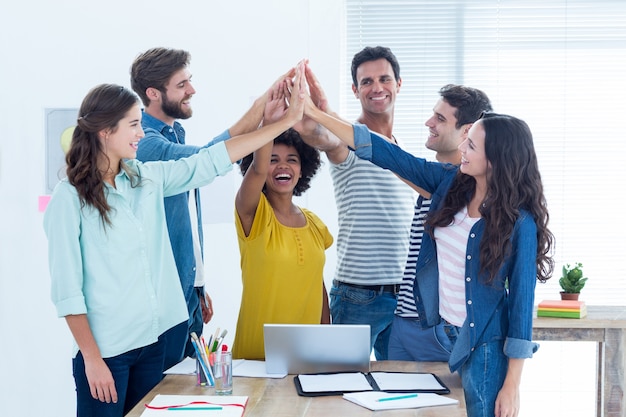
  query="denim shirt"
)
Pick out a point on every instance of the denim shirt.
point(493, 311)
point(163, 142)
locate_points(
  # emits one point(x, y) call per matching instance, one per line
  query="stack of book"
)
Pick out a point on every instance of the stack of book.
point(572, 309)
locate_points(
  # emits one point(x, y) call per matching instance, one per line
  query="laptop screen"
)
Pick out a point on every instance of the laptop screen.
point(315, 348)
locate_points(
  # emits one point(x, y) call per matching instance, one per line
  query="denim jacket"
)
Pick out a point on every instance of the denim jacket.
point(163, 142)
point(494, 312)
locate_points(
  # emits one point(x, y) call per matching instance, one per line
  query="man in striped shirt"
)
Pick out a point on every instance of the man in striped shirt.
point(453, 115)
point(374, 206)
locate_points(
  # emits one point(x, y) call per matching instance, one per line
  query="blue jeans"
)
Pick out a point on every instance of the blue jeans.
point(349, 305)
point(135, 373)
point(410, 342)
point(482, 377)
point(175, 340)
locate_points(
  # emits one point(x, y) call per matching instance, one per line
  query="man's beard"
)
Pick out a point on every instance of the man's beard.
point(173, 109)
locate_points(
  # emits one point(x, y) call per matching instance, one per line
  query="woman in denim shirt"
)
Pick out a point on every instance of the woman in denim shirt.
point(493, 210)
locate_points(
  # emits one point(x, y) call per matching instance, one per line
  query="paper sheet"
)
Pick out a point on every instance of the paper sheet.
point(253, 369)
point(369, 400)
point(241, 367)
point(397, 381)
point(186, 367)
point(226, 411)
point(345, 381)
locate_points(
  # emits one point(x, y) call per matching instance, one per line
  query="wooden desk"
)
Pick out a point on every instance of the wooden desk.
point(278, 397)
point(607, 327)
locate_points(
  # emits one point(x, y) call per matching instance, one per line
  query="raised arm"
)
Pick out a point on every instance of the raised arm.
point(315, 134)
point(337, 126)
point(252, 118)
point(247, 199)
point(242, 145)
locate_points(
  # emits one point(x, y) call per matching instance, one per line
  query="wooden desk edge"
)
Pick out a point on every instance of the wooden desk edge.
point(184, 385)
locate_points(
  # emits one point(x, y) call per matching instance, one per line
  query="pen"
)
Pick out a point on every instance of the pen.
point(399, 397)
point(192, 408)
point(220, 340)
point(203, 362)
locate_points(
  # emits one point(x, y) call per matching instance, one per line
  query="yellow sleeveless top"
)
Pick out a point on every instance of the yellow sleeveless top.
point(282, 275)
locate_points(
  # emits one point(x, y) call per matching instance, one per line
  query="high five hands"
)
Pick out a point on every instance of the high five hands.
point(295, 95)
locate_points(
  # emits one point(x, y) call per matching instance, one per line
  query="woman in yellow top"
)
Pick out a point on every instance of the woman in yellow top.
point(282, 246)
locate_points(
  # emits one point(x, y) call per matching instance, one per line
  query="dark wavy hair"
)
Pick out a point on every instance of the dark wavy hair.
point(374, 53)
point(154, 68)
point(513, 183)
point(102, 108)
point(310, 161)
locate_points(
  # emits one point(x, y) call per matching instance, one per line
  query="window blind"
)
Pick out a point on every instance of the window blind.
point(557, 64)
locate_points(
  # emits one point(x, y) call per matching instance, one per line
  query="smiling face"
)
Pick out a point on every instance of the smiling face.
point(443, 135)
point(121, 142)
point(285, 169)
point(377, 86)
point(175, 103)
point(473, 157)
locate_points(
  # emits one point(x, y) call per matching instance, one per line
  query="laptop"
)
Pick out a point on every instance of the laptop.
point(316, 348)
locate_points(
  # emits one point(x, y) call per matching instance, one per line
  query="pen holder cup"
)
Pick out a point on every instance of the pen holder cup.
point(222, 365)
point(200, 375)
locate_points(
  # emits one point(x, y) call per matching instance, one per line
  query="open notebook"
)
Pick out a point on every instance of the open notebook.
point(314, 385)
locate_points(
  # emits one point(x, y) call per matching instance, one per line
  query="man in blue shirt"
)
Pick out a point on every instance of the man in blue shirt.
point(162, 79)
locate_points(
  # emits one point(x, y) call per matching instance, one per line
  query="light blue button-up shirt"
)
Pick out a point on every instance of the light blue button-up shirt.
point(124, 276)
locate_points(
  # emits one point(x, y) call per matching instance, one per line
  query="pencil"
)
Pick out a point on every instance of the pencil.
point(399, 397)
point(192, 408)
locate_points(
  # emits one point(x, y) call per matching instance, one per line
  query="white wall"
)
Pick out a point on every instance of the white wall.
point(52, 54)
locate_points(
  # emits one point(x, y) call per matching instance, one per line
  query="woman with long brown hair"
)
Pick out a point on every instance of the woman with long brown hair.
point(113, 274)
point(487, 245)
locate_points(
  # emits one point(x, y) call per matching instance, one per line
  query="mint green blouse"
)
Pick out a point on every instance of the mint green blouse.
point(124, 276)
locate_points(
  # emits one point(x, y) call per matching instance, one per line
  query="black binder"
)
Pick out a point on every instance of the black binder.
point(435, 384)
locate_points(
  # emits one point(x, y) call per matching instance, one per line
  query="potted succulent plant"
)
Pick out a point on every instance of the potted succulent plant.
point(572, 281)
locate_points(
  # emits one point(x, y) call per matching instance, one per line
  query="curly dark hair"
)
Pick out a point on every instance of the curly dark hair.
point(309, 159)
point(513, 183)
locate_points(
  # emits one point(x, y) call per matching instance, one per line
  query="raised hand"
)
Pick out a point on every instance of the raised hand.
point(297, 95)
point(276, 104)
point(309, 129)
point(315, 89)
